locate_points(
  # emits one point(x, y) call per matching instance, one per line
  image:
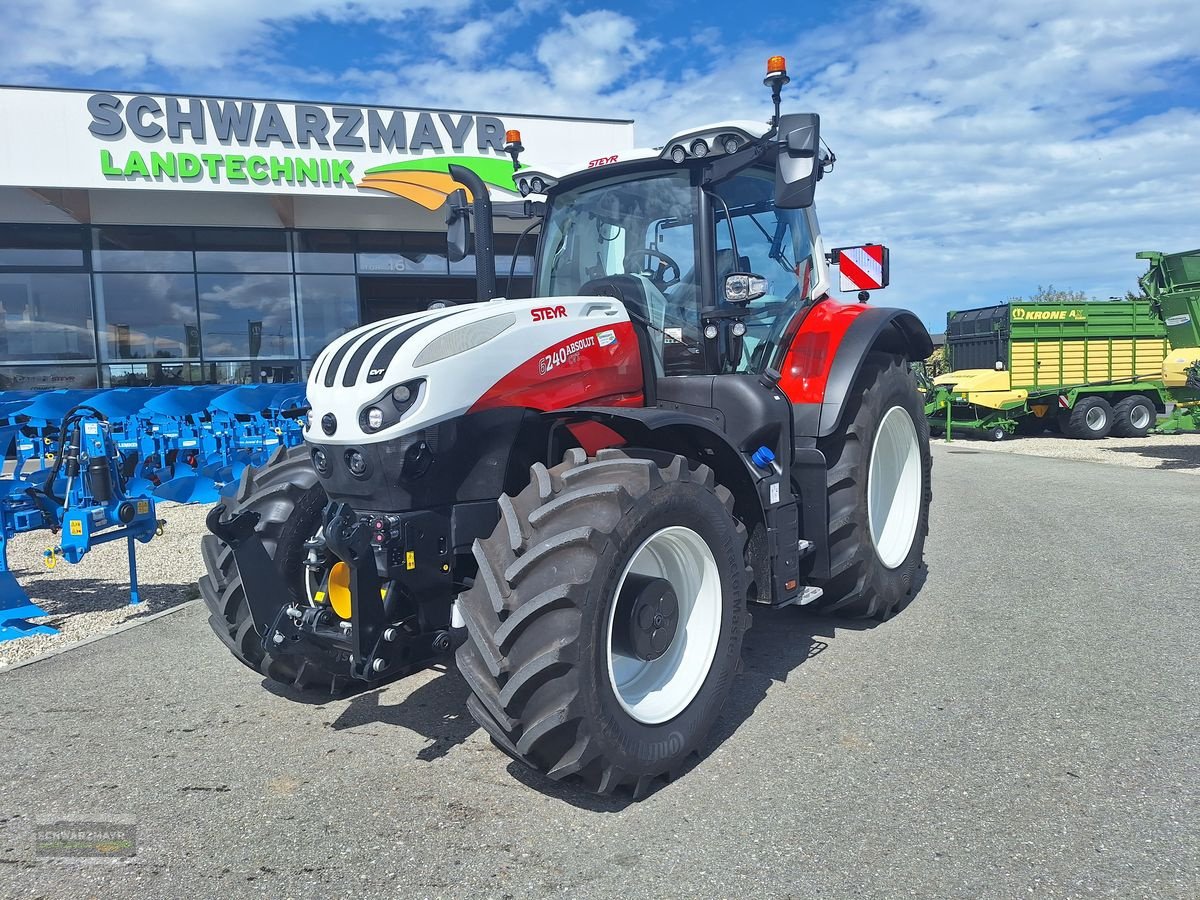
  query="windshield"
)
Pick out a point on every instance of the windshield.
point(643, 227)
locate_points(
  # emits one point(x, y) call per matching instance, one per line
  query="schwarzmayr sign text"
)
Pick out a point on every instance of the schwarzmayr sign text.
point(192, 139)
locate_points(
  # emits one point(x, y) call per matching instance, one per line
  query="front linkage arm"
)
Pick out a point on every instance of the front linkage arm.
point(261, 581)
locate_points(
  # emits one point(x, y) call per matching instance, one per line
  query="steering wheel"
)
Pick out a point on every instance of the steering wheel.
point(634, 262)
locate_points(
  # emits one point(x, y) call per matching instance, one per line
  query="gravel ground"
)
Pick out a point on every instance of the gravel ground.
point(93, 597)
point(1026, 728)
point(1177, 452)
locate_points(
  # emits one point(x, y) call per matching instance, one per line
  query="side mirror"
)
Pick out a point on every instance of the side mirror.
point(456, 226)
point(798, 165)
point(742, 287)
point(863, 268)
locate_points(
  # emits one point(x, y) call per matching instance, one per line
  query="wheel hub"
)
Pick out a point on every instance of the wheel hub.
point(664, 625)
point(650, 611)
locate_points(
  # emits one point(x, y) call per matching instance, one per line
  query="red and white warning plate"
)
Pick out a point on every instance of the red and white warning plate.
point(863, 268)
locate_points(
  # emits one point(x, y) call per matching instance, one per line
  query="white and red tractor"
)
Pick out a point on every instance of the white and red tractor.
point(581, 494)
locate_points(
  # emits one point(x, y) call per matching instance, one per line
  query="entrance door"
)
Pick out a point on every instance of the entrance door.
point(384, 296)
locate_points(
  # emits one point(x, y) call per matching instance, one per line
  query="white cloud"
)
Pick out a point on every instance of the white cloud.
point(129, 35)
point(591, 52)
point(468, 43)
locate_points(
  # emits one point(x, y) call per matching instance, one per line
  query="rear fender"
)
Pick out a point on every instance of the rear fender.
point(825, 356)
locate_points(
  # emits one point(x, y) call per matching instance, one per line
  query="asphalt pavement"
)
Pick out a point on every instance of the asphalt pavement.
point(1026, 728)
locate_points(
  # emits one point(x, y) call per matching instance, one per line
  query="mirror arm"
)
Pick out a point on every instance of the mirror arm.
point(485, 246)
point(724, 167)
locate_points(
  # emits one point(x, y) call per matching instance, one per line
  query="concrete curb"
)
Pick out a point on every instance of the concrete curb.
point(124, 626)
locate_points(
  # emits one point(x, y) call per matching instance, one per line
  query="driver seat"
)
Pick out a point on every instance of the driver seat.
point(643, 301)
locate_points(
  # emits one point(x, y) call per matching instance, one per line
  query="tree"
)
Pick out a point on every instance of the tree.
point(1051, 294)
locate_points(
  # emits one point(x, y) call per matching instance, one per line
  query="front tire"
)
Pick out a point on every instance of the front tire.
point(878, 476)
point(290, 501)
point(561, 679)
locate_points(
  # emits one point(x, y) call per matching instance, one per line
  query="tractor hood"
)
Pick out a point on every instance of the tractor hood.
point(392, 378)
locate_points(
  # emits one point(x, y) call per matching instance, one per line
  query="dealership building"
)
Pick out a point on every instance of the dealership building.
point(188, 239)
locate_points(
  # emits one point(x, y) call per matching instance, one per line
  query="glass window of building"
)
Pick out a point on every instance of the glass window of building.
point(391, 253)
point(325, 251)
point(132, 248)
point(41, 246)
point(247, 316)
point(157, 374)
point(328, 309)
point(147, 316)
point(252, 371)
point(242, 250)
point(37, 378)
point(45, 317)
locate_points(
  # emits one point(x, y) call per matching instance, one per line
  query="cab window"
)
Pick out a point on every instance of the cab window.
point(773, 243)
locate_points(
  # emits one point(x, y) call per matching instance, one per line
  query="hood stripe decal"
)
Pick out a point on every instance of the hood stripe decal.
point(331, 369)
point(387, 353)
point(364, 348)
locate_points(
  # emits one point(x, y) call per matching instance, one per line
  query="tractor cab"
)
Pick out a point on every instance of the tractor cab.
point(710, 267)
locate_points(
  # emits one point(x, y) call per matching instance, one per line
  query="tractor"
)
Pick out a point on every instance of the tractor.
point(582, 494)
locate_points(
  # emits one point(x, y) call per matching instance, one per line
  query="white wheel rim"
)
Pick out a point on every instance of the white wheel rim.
point(894, 487)
point(1095, 418)
point(1139, 416)
point(656, 691)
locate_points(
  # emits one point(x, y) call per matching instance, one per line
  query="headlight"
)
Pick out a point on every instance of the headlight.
point(389, 409)
point(356, 463)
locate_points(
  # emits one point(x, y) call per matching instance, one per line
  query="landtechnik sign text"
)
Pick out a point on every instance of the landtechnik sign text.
point(265, 125)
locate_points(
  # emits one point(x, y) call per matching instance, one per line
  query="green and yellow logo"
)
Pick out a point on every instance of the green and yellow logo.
point(1026, 314)
point(428, 182)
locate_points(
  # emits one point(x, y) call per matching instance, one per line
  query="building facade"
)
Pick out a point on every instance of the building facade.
point(150, 239)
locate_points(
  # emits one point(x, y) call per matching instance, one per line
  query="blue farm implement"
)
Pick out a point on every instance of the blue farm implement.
point(80, 498)
point(89, 465)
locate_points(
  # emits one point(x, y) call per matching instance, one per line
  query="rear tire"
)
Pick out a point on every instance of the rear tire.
point(1089, 420)
point(872, 577)
point(1134, 416)
point(544, 624)
point(290, 501)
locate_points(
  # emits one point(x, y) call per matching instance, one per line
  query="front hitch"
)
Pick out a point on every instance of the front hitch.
point(383, 637)
point(349, 539)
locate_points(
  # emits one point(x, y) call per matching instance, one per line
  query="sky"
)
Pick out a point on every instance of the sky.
point(993, 147)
